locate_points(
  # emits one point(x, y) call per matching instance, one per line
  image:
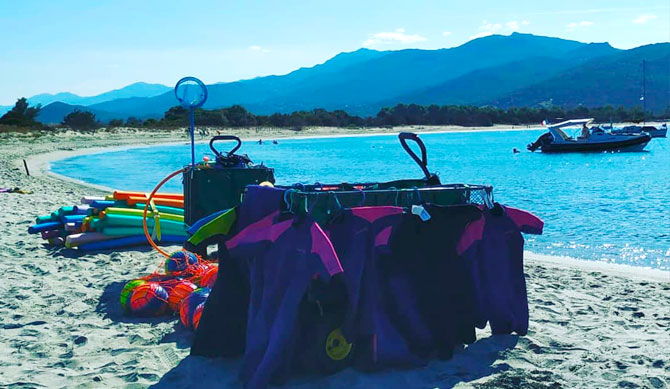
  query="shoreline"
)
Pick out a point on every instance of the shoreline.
point(612, 269)
point(43, 161)
point(438, 130)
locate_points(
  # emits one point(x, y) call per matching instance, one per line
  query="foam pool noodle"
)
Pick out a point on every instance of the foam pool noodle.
point(139, 213)
point(129, 241)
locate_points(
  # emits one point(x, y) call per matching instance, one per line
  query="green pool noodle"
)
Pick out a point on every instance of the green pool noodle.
point(162, 209)
point(139, 213)
point(125, 231)
point(43, 219)
point(64, 211)
point(132, 221)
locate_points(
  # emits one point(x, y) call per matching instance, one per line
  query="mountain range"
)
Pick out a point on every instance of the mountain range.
point(64, 99)
point(504, 71)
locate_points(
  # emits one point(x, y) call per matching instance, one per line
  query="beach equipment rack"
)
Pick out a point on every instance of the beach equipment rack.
point(320, 200)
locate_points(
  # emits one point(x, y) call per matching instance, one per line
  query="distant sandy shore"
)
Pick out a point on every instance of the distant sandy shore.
point(593, 325)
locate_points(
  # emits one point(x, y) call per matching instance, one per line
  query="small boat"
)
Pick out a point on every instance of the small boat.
point(593, 139)
point(655, 132)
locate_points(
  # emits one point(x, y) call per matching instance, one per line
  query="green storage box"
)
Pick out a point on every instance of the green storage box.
point(212, 187)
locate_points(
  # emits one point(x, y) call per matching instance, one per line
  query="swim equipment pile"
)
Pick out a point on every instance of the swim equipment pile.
point(113, 221)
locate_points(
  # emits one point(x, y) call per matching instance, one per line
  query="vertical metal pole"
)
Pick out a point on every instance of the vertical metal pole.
point(192, 140)
point(644, 95)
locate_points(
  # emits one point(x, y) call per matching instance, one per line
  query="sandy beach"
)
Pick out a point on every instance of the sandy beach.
point(593, 325)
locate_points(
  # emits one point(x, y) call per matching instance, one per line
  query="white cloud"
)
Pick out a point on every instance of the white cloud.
point(446, 33)
point(601, 10)
point(487, 28)
point(643, 19)
point(481, 35)
point(575, 25)
point(395, 37)
point(513, 25)
point(258, 49)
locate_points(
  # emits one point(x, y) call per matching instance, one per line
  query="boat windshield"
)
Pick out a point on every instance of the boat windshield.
point(562, 134)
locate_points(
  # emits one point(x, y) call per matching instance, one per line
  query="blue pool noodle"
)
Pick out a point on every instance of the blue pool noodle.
point(73, 218)
point(102, 204)
point(128, 241)
point(34, 229)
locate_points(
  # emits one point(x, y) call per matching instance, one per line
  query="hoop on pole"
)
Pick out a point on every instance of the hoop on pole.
point(191, 93)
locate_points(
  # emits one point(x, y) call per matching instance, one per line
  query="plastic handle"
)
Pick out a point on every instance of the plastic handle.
point(225, 137)
point(423, 161)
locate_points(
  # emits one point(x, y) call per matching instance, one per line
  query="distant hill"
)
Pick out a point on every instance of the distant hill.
point(138, 89)
point(612, 80)
point(514, 70)
point(360, 80)
point(362, 88)
point(247, 92)
point(481, 86)
point(55, 112)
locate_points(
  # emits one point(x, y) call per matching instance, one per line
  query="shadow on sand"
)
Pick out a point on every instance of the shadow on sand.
point(65, 252)
point(473, 362)
point(110, 307)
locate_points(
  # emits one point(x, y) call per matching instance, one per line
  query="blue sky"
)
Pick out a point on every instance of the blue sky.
point(89, 47)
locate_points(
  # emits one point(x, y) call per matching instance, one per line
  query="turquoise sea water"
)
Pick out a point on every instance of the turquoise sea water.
point(612, 207)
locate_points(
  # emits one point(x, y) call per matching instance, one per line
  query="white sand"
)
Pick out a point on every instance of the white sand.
point(593, 325)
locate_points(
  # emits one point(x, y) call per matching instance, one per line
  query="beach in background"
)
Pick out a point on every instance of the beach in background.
point(592, 324)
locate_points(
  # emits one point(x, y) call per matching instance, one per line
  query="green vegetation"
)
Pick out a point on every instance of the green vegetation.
point(81, 120)
point(22, 115)
point(237, 116)
point(115, 123)
point(401, 114)
point(133, 122)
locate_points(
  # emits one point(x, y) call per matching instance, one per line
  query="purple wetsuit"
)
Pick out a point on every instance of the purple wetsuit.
point(361, 239)
point(282, 257)
point(424, 257)
point(493, 249)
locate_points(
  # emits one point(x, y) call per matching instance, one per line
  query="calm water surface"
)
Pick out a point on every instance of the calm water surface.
point(612, 207)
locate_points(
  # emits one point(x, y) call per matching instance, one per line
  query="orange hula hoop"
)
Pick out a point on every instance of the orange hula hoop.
point(146, 208)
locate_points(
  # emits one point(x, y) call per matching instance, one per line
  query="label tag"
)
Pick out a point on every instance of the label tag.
point(421, 212)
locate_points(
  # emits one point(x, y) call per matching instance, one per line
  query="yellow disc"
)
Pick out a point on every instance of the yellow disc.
point(266, 183)
point(337, 347)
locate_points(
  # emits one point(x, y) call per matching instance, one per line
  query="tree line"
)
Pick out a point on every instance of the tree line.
point(401, 114)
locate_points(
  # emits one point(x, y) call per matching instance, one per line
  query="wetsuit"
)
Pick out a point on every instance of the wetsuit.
point(360, 237)
point(282, 257)
point(424, 255)
point(492, 247)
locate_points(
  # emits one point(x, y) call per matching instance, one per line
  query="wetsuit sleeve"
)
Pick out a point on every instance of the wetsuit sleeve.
point(323, 248)
point(264, 230)
point(526, 221)
point(473, 232)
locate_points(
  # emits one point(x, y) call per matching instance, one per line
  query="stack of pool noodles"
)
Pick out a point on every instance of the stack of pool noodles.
point(112, 221)
point(181, 288)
